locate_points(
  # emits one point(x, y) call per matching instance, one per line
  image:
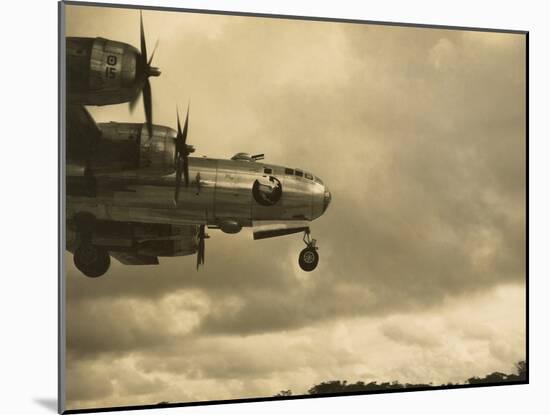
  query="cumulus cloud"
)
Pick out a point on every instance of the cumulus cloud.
point(429, 346)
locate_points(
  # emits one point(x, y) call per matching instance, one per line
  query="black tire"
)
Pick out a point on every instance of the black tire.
point(308, 259)
point(92, 261)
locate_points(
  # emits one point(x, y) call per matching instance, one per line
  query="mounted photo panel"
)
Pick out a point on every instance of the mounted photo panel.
point(263, 207)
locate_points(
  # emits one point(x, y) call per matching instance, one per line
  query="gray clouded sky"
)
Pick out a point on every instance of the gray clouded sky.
point(420, 135)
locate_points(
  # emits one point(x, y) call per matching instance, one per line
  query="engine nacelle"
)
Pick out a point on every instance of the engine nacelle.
point(230, 226)
point(126, 148)
point(102, 71)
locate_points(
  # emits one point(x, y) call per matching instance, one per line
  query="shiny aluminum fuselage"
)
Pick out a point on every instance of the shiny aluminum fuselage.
point(219, 191)
point(130, 177)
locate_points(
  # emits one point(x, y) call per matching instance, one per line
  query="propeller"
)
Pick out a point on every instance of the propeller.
point(201, 246)
point(181, 156)
point(144, 71)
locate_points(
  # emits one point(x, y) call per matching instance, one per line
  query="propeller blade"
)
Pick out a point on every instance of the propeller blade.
point(178, 181)
point(181, 154)
point(179, 125)
point(202, 252)
point(184, 133)
point(198, 255)
point(148, 107)
point(178, 149)
point(134, 102)
point(142, 40)
point(153, 54)
point(201, 246)
point(185, 161)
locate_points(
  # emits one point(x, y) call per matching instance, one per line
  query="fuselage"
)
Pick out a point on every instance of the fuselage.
point(221, 192)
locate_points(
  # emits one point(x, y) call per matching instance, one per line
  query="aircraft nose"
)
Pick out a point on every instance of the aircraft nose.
point(327, 199)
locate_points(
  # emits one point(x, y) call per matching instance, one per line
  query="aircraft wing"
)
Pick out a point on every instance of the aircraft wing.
point(81, 134)
point(127, 258)
point(270, 229)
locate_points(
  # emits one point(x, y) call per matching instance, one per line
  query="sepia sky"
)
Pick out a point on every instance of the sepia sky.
point(420, 136)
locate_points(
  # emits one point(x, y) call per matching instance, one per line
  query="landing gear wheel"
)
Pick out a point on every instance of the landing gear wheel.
point(92, 261)
point(308, 259)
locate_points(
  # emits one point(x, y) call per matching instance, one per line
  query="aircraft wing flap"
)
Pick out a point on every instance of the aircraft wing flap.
point(272, 229)
point(134, 259)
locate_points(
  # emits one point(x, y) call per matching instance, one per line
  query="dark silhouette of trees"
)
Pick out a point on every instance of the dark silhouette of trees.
point(337, 386)
point(521, 368)
point(342, 386)
point(498, 377)
point(494, 377)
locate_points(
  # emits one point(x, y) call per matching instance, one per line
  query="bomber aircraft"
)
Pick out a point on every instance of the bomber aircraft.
point(134, 193)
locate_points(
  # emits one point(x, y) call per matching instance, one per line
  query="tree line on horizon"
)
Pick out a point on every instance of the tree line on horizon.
point(342, 386)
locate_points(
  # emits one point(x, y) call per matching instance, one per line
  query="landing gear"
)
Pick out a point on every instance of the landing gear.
point(84, 223)
point(309, 258)
point(93, 261)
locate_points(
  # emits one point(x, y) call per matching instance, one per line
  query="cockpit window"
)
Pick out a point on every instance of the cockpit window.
point(289, 171)
point(299, 173)
point(318, 180)
point(267, 170)
point(309, 176)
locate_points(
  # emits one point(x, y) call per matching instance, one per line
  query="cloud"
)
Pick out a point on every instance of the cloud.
point(90, 384)
point(442, 54)
point(124, 325)
point(115, 382)
point(425, 346)
point(416, 335)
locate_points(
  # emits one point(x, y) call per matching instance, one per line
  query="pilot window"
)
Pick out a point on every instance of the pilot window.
point(318, 180)
point(309, 176)
point(299, 173)
point(289, 171)
point(267, 170)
